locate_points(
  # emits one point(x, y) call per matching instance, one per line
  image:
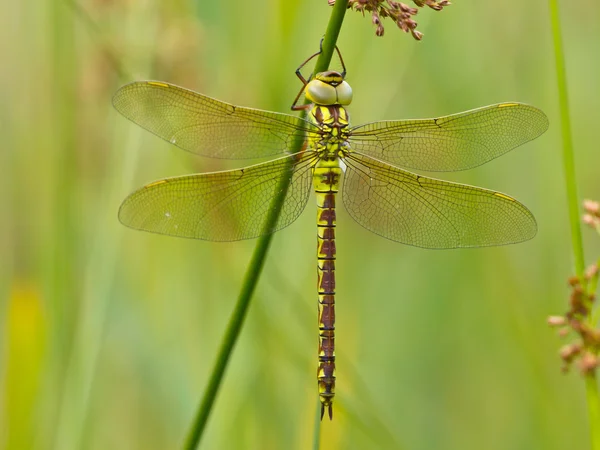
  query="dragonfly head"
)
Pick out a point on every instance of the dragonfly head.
point(328, 88)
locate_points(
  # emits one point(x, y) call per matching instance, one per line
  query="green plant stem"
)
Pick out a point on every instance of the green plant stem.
point(591, 390)
point(317, 427)
point(567, 141)
point(238, 315)
point(591, 384)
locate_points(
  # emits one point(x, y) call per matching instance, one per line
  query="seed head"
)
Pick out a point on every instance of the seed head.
point(591, 217)
point(586, 347)
point(588, 362)
point(399, 12)
point(592, 207)
point(555, 321)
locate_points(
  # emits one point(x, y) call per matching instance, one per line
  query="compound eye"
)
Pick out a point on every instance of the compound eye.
point(321, 93)
point(344, 93)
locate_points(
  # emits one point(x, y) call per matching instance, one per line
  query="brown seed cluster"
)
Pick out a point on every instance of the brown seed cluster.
point(587, 346)
point(581, 318)
point(400, 13)
point(591, 217)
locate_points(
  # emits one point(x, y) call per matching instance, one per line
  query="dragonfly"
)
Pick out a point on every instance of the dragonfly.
point(365, 163)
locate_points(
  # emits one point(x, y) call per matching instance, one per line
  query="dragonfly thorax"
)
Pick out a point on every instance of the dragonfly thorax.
point(328, 88)
point(332, 141)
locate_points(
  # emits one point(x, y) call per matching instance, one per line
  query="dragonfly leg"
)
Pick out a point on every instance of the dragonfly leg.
point(295, 106)
point(341, 61)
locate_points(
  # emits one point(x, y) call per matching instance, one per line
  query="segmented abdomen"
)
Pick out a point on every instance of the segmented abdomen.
point(326, 183)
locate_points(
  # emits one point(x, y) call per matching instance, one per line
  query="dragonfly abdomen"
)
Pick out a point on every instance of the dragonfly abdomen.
point(326, 180)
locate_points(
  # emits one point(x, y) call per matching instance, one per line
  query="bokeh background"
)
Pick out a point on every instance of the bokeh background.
point(108, 335)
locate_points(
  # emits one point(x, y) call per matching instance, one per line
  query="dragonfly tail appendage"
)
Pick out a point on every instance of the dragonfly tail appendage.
point(326, 182)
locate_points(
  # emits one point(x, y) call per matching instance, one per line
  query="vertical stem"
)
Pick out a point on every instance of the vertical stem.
point(238, 315)
point(331, 35)
point(591, 390)
point(317, 426)
point(571, 188)
point(568, 156)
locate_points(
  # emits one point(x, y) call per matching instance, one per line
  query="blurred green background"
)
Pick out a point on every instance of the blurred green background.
point(109, 335)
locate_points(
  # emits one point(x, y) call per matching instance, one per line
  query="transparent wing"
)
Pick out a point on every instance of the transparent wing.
point(206, 126)
point(222, 206)
point(457, 142)
point(425, 212)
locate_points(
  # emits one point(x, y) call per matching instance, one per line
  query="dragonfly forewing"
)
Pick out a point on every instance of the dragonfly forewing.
point(456, 142)
point(222, 206)
point(425, 212)
point(206, 126)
